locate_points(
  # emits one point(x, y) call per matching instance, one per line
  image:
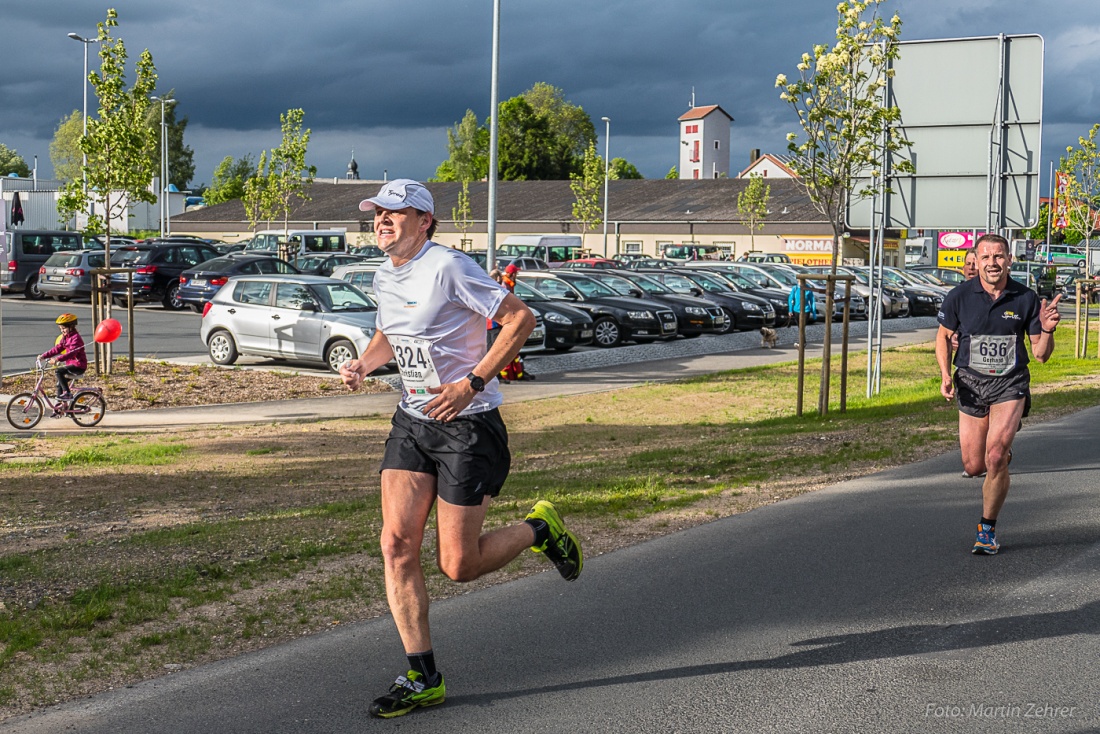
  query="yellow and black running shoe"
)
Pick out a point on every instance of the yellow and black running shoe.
point(562, 548)
point(407, 693)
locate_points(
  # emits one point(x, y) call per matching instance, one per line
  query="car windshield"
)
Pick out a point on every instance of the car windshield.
point(63, 260)
point(710, 283)
point(127, 258)
point(219, 264)
point(622, 286)
point(590, 288)
point(526, 293)
point(648, 285)
point(786, 277)
point(738, 280)
point(342, 297)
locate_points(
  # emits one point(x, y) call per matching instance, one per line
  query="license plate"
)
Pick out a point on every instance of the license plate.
point(198, 281)
point(719, 319)
point(586, 333)
point(55, 278)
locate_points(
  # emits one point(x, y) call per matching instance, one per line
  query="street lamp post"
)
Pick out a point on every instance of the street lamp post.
point(87, 42)
point(606, 168)
point(162, 197)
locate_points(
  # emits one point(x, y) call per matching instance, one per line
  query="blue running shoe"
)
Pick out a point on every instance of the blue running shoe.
point(986, 543)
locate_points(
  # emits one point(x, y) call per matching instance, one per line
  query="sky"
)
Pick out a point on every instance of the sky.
point(387, 80)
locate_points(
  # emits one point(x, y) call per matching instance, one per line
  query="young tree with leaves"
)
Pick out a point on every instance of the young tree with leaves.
point(288, 174)
point(229, 178)
point(12, 162)
point(1083, 167)
point(752, 206)
point(467, 151)
point(461, 214)
point(846, 126)
point(65, 152)
point(120, 168)
point(257, 194)
point(622, 169)
point(586, 187)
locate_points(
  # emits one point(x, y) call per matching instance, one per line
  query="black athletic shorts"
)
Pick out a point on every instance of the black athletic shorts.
point(468, 456)
point(975, 394)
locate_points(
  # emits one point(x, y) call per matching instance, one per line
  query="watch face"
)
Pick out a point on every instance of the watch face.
point(476, 382)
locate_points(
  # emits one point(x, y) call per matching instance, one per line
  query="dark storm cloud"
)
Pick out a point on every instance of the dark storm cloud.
point(388, 79)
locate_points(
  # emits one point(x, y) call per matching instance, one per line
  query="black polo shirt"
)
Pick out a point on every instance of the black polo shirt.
point(986, 325)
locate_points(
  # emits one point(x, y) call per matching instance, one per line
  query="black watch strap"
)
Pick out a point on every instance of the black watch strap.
point(476, 382)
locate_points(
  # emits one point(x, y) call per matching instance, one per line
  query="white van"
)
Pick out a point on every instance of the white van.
point(553, 249)
point(295, 243)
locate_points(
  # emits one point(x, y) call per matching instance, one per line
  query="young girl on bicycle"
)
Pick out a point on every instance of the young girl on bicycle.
point(68, 354)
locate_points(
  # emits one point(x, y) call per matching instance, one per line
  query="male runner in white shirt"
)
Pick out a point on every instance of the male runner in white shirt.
point(448, 442)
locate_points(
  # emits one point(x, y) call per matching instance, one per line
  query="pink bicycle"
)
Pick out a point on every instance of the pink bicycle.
point(26, 409)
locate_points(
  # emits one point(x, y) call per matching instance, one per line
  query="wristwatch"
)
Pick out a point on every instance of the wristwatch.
point(476, 382)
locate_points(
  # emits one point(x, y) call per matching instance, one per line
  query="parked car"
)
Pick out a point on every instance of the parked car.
point(368, 251)
point(591, 263)
point(229, 248)
point(503, 260)
point(324, 264)
point(23, 252)
point(199, 284)
point(359, 274)
point(694, 315)
point(924, 299)
point(1036, 277)
point(947, 275)
point(615, 318)
point(756, 256)
point(776, 275)
point(648, 263)
point(68, 275)
point(741, 310)
point(301, 317)
point(157, 269)
point(626, 257)
point(775, 296)
point(895, 304)
point(565, 327)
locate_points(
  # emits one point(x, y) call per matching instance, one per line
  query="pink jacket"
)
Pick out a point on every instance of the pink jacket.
point(72, 346)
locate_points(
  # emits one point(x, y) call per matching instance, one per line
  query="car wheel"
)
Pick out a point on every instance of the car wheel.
point(33, 292)
point(223, 350)
point(730, 323)
point(172, 298)
point(339, 352)
point(607, 332)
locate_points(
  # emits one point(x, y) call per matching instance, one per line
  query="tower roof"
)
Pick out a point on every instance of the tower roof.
point(698, 113)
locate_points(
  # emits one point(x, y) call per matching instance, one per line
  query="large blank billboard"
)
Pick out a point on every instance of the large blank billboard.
point(973, 109)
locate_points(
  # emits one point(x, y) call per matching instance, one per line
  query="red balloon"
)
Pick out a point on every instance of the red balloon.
point(107, 331)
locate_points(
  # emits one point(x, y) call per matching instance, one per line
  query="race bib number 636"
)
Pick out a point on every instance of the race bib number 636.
point(993, 355)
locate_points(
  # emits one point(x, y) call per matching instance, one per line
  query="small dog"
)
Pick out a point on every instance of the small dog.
point(768, 337)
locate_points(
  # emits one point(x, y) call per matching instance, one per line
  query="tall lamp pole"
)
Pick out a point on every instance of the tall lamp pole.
point(606, 169)
point(494, 137)
point(87, 42)
point(162, 198)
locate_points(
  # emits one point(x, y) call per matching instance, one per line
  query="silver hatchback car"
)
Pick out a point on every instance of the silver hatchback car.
point(68, 275)
point(301, 317)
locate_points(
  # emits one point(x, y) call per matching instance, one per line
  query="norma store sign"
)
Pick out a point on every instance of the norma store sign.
point(809, 250)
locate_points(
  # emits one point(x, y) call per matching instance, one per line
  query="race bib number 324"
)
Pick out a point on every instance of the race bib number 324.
point(414, 362)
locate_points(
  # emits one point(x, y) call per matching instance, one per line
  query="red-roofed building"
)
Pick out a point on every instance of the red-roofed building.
point(705, 143)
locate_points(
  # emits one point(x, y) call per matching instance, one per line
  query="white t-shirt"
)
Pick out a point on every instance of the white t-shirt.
point(432, 310)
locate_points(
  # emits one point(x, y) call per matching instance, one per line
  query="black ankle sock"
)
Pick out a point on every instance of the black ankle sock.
point(423, 663)
point(990, 523)
point(542, 531)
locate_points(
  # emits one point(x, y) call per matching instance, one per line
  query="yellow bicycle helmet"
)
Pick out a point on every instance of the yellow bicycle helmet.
point(66, 319)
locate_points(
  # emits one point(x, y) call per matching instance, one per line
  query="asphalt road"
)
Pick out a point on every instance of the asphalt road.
point(857, 608)
point(29, 330)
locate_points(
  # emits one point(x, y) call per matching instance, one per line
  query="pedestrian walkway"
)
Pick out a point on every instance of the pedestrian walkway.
point(558, 375)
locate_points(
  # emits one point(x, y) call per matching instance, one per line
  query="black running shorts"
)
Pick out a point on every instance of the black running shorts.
point(975, 394)
point(468, 456)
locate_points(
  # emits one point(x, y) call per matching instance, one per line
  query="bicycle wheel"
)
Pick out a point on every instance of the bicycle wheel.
point(25, 410)
point(89, 408)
